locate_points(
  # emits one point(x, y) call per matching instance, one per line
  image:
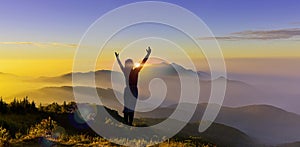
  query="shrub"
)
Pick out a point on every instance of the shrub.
point(18, 135)
point(44, 128)
point(4, 136)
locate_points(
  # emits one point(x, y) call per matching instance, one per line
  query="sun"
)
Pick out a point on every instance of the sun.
point(137, 65)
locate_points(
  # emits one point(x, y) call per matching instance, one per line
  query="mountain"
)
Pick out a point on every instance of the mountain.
point(12, 84)
point(267, 124)
point(7, 74)
point(167, 69)
point(102, 78)
point(48, 95)
point(237, 94)
point(162, 69)
point(219, 134)
point(293, 144)
point(270, 125)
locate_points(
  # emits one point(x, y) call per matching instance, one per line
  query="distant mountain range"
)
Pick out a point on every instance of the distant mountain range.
point(245, 107)
point(48, 95)
point(267, 124)
point(237, 94)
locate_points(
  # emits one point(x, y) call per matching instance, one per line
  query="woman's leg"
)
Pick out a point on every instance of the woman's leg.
point(125, 110)
point(126, 116)
point(131, 115)
point(134, 92)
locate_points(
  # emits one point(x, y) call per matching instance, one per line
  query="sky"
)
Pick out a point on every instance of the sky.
point(39, 38)
point(260, 41)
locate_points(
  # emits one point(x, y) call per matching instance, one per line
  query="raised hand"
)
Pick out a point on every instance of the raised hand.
point(148, 50)
point(117, 54)
point(119, 61)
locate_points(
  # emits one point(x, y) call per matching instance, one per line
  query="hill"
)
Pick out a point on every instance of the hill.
point(48, 95)
point(237, 93)
point(265, 123)
point(219, 134)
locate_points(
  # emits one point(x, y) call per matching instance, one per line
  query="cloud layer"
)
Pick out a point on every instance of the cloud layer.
point(260, 35)
point(41, 44)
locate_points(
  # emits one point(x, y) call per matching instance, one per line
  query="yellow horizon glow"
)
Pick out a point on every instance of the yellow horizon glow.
point(52, 59)
point(36, 67)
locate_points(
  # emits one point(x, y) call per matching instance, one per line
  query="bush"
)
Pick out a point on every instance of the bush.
point(44, 128)
point(4, 136)
point(18, 135)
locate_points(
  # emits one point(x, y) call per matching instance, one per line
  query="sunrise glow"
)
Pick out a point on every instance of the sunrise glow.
point(137, 65)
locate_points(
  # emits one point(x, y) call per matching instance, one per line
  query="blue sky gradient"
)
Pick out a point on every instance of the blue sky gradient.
point(66, 21)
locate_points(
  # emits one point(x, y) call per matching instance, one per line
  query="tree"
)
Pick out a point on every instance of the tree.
point(54, 107)
point(64, 108)
point(3, 106)
point(32, 107)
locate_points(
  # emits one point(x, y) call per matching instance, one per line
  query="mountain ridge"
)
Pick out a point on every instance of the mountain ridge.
point(266, 123)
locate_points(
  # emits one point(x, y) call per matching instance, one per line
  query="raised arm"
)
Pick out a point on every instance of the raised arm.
point(145, 58)
point(120, 63)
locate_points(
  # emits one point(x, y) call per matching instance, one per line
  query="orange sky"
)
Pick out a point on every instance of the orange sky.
point(50, 59)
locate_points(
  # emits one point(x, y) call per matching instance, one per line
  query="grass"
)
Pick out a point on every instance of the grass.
point(40, 141)
point(26, 132)
point(23, 124)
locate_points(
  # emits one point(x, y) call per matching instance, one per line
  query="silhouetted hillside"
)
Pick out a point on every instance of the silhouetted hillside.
point(267, 124)
point(220, 134)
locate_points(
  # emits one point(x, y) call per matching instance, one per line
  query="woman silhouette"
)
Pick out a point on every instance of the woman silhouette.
point(131, 90)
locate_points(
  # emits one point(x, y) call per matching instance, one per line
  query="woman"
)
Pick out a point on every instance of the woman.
point(131, 90)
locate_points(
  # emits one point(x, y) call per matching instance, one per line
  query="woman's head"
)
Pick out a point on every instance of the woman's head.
point(129, 63)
